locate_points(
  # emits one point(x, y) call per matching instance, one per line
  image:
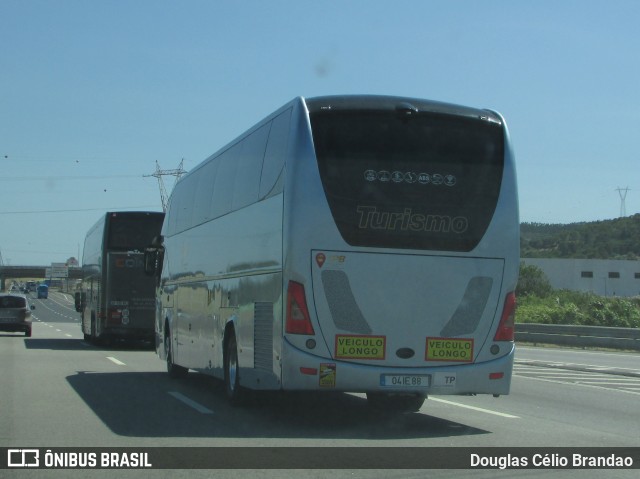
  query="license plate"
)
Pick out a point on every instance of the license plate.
point(405, 380)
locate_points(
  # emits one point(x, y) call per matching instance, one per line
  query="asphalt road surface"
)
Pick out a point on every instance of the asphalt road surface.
point(56, 390)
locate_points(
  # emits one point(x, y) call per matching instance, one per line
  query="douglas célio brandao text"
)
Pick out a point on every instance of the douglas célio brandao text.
point(532, 461)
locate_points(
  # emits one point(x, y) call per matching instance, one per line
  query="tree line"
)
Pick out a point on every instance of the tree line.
point(610, 239)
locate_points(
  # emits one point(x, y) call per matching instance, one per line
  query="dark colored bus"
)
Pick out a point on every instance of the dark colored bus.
point(117, 299)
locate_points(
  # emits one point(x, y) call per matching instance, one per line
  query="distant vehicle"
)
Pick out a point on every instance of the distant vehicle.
point(357, 243)
point(15, 313)
point(117, 299)
point(43, 291)
point(31, 286)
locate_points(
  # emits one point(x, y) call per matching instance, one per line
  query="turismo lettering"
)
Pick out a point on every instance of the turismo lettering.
point(370, 218)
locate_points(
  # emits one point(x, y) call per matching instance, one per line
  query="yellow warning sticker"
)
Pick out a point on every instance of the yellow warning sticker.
point(327, 375)
point(360, 347)
point(449, 349)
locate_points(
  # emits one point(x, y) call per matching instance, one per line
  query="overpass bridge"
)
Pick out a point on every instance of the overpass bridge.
point(15, 272)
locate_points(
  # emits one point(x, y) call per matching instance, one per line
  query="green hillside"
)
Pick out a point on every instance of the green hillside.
point(610, 239)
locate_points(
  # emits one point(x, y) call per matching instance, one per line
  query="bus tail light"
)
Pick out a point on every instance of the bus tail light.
point(506, 328)
point(298, 320)
point(114, 316)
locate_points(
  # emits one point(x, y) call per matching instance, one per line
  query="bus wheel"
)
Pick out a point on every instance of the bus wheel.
point(235, 393)
point(174, 370)
point(395, 402)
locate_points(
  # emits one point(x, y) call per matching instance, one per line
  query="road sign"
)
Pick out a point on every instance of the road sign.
point(59, 270)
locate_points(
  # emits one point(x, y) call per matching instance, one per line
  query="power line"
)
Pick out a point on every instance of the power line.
point(57, 178)
point(75, 210)
point(61, 158)
point(10, 250)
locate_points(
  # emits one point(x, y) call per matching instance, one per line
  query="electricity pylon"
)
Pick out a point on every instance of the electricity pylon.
point(623, 199)
point(159, 173)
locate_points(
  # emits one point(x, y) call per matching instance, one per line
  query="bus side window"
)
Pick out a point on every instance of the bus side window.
point(222, 197)
point(204, 192)
point(275, 155)
point(172, 210)
point(249, 168)
point(184, 208)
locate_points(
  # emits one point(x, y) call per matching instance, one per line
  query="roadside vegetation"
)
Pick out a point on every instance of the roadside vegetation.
point(609, 239)
point(538, 302)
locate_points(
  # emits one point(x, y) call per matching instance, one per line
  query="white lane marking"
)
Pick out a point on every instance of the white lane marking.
point(115, 361)
point(64, 315)
point(572, 383)
point(560, 365)
point(68, 336)
point(190, 402)
point(474, 408)
point(574, 353)
point(559, 374)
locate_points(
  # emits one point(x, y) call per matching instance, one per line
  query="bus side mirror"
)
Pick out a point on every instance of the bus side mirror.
point(79, 300)
point(76, 301)
point(153, 258)
point(157, 241)
point(150, 261)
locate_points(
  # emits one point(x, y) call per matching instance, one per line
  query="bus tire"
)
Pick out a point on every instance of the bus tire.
point(173, 369)
point(385, 402)
point(235, 393)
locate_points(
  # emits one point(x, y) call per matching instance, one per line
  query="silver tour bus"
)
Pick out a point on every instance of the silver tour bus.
point(348, 243)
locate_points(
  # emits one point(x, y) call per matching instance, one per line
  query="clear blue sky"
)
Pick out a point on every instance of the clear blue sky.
point(93, 93)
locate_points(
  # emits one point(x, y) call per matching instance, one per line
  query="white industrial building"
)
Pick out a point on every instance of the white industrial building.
point(599, 276)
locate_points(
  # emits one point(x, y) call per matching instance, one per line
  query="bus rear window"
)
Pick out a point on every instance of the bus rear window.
point(131, 231)
point(12, 302)
point(430, 181)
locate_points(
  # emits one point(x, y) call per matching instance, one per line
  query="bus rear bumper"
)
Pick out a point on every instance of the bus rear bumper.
point(133, 334)
point(304, 371)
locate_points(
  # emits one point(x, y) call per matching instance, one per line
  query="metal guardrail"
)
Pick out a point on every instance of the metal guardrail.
point(580, 336)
